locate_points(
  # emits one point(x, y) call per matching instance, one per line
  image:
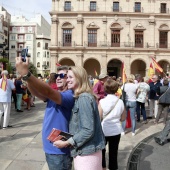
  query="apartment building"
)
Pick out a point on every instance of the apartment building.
point(101, 35)
point(33, 34)
point(5, 18)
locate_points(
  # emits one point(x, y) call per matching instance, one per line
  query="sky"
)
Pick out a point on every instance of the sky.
point(28, 8)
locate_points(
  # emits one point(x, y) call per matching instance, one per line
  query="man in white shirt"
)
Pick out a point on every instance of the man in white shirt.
point(6, 87)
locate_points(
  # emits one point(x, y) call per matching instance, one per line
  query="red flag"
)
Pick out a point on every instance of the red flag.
point(151, 71)
point(157, 66)
point(123, 73)
point(57, 64)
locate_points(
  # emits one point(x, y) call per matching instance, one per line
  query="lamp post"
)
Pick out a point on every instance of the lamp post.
point(167, 69)
point(45, 68)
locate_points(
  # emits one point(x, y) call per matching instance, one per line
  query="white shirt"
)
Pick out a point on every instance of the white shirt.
point(143, 91)
point(5, 96)
point(111, 124)
point(130, 89)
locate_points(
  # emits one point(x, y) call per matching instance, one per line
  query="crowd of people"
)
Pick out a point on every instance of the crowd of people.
point(14, 89)
point(92, 110)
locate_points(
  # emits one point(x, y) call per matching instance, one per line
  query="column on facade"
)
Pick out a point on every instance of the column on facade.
point(103, 63)
point(53, 5)
point(127, 64)
point(151, 39)
point(54, 60)
point(79, 60)
point(127, 38)
point(104, 31)
point(79, 31)
point(54, 31)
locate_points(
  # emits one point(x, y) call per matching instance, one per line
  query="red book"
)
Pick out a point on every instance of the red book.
point(57, 134)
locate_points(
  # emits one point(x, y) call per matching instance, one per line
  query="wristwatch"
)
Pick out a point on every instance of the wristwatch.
point(25, 77)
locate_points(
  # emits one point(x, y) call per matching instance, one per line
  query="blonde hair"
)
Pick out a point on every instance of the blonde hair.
point(82, 81)
point(130, 78)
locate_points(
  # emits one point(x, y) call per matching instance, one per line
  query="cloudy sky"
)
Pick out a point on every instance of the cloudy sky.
point(28, 8)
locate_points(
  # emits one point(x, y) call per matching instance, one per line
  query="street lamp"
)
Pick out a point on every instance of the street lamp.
point(45, 68)
point(167, 69)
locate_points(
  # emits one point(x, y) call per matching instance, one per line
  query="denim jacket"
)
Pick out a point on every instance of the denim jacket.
point(86, 127)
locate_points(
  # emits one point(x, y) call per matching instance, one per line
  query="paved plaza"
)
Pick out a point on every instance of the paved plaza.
point(21, 146)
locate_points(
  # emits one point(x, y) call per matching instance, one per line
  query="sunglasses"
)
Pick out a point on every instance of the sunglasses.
point(62, 75)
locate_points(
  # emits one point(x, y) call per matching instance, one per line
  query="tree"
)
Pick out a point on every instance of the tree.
point(6, 65)
point(33, 69)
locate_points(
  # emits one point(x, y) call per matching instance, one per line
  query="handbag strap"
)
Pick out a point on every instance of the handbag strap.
point(110, 110)
point(164, 93)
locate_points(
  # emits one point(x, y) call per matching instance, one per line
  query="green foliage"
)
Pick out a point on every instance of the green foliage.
point(33, 69)
point(6, 64)
point(4, 60)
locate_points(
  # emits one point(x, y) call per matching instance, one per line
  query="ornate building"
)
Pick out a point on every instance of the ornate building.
point(100, 35)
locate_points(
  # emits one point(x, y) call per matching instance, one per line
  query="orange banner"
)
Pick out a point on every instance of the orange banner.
point(157, 66)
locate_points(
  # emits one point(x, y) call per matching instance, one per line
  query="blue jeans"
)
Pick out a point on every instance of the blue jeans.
point(19, 100)
point(130, 105)
point(142, 106)
point(59, 162)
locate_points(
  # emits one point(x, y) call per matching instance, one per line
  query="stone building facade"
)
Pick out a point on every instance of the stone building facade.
point(100, 35)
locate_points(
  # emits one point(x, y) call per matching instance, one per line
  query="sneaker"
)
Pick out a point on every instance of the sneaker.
point(155, 122)
point(19, 110)
point(145, 122)
point(133, 134)
point(149, 117)
point(123, 133)
point(9, 126)
point(158, 141)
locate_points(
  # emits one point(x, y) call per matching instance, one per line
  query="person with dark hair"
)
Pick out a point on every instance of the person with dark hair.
point(57, 113)
point(52, 81)
point(163, 106)
point(88, 140)
point(114, 108)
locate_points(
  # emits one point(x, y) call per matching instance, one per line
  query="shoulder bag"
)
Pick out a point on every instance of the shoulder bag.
point(123, 96)
point(110, 110)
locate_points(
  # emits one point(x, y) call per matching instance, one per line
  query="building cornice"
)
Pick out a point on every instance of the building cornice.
point(107, 14)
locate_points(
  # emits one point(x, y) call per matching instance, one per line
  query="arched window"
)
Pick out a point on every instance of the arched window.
point(67, 34)
point(38, 64)
point(38, 44)
point(92, 34)
point(38, 54)
point(163, 36)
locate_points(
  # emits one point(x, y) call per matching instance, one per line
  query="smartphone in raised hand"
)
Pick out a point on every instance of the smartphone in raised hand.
point(24, 54)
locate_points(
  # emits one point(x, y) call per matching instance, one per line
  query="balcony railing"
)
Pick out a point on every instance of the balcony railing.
point(138, 9)
point(21, 32)
point(116, 9)
point(21, 40)
point(68, 8)
point(108, 44)
point(93, 9)
point(66, 44)
point(19, 49)
point(164, 10)
point(165, 45)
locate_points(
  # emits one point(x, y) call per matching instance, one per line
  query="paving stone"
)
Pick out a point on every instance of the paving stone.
point(25, 165)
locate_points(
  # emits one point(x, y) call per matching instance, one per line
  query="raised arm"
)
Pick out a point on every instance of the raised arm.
point(42, 89)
